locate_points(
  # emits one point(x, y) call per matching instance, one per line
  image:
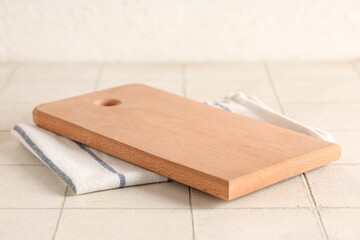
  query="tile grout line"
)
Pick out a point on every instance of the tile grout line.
point(9, 77)
point(191, 214)
point(183, 79)
point(318, 216)
point(269, 76)
point(61, 211)
point(98, 76)
point(308, 192)
point(307, 184)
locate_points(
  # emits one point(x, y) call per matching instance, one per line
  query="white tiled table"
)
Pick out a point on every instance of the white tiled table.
point(321, 204)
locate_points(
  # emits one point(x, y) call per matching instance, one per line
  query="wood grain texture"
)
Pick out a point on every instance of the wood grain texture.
point(221, 153)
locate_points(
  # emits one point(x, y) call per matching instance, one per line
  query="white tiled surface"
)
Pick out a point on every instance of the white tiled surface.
point(336, 185)
point(256, 224)
point(37, 83)
point(124, 224)
point(322, 204)
point(330, 116)
point(167, 77)
point(208, 81)
point(28, 223)
point(12, 152)
point(12, 113)
point(318, 91)
point(30, 187)
point(347, 219)
point(349, 140)
point(313, 71)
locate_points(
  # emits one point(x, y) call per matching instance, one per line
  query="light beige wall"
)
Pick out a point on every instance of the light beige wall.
point(185, 30)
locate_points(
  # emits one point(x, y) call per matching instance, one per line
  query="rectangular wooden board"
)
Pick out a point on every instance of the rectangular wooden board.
point(215, 151)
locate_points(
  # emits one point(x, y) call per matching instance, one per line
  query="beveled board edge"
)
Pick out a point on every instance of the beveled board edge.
point(282, 171)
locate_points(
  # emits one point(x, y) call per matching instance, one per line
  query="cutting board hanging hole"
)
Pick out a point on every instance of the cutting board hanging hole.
point(107, 102)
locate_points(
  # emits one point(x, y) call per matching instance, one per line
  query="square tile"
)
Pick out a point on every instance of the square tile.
point(30, 187)
point(210, 81)
point(232, 72)
point(349, 141)
point(14, 153)
point(341, 223)
point(336, 185)
point(330, 116)
point(167, 77)
point(43, 92)
point(318, 91)
point(15, 113)
point(313, 71)
point(142, 71)
point(48, 82)
point(124, 224)
point(256, 224)
point(160, 195)
point(63, 72)
point(212, 89)
point(290, 193)
point(28, 223)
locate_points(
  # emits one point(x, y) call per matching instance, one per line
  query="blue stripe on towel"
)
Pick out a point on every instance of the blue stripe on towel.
point(45, 159)
point(219, 105)
point(222, 106)
point(104, 164)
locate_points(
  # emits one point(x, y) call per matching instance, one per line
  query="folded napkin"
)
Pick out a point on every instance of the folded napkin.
point(85, 169)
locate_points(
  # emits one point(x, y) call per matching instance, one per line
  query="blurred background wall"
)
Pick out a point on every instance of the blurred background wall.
point(179, 31)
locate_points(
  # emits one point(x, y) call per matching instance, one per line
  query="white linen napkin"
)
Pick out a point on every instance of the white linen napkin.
point(85, 169)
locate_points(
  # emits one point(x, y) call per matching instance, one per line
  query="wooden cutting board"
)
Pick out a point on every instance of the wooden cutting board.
point(216, 151)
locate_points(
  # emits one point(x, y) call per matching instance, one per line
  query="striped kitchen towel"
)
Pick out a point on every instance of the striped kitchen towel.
point(85, 169)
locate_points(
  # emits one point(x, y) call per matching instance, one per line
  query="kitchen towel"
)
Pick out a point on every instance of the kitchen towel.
point(85, 169)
